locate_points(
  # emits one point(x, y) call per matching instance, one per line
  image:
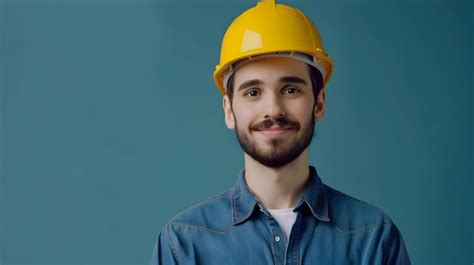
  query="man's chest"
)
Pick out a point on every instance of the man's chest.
point(262, 241)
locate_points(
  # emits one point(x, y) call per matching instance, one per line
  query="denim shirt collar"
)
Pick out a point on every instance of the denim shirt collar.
point(243, 201)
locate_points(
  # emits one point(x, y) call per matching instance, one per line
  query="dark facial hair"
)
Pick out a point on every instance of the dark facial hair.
point(280, 155)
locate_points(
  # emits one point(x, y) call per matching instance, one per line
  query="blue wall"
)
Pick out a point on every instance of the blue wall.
point(110, 122)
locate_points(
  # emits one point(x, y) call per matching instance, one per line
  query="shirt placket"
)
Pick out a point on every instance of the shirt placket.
point(278, 241)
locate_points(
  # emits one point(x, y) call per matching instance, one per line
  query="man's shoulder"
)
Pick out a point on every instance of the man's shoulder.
point(350, 214)
point(213, 213)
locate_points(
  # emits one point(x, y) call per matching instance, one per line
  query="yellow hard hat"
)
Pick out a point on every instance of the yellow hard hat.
point(271, 29)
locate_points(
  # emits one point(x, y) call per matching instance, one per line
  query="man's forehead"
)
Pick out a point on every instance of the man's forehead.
point(273, 70)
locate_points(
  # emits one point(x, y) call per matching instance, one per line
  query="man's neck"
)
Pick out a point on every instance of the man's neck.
point(278, 188)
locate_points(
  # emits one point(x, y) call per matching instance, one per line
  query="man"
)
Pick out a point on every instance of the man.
point(272, 73)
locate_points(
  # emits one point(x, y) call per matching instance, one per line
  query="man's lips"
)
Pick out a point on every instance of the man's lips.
point(274, 131)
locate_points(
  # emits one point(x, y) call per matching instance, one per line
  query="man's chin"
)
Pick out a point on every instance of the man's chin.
point(275, 146)
point(271, 154)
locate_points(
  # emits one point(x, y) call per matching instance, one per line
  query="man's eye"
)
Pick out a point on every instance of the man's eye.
point(251, 93)
point(292, 90)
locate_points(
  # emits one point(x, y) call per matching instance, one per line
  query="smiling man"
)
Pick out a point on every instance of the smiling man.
point(274, 104)
point(272, 74)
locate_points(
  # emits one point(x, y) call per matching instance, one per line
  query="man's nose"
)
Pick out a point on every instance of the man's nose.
point(274, 106)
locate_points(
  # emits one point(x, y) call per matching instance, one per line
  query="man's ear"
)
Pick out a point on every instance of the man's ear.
point(229, 114)
point(320, 106)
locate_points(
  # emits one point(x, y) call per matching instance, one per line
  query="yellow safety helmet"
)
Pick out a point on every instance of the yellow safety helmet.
point(271, 29)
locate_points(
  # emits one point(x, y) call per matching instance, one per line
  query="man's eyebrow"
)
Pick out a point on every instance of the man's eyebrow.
point(249, 83)
point(284, 79)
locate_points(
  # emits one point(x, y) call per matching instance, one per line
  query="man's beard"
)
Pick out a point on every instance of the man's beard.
point(280, 153)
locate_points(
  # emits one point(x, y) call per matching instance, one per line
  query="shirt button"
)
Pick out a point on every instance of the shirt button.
point(277, 238)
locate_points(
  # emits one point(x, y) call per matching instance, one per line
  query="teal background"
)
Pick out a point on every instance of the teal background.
point(110, 122)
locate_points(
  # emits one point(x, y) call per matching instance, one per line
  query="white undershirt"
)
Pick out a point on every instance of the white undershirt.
point(285, 218)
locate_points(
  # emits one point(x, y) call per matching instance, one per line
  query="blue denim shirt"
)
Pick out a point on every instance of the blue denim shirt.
point(235, 228)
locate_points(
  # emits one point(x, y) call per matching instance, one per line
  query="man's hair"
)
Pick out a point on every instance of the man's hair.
point(314, 74)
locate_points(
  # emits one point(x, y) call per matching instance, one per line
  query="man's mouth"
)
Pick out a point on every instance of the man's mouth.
point(274, 131)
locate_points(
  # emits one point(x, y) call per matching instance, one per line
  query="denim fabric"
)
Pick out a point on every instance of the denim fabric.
point(235, 228)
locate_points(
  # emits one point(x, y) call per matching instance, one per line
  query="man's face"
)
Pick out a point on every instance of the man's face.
point(273, 110)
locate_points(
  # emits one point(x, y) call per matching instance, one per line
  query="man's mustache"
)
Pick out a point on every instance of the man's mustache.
point(280, 122)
